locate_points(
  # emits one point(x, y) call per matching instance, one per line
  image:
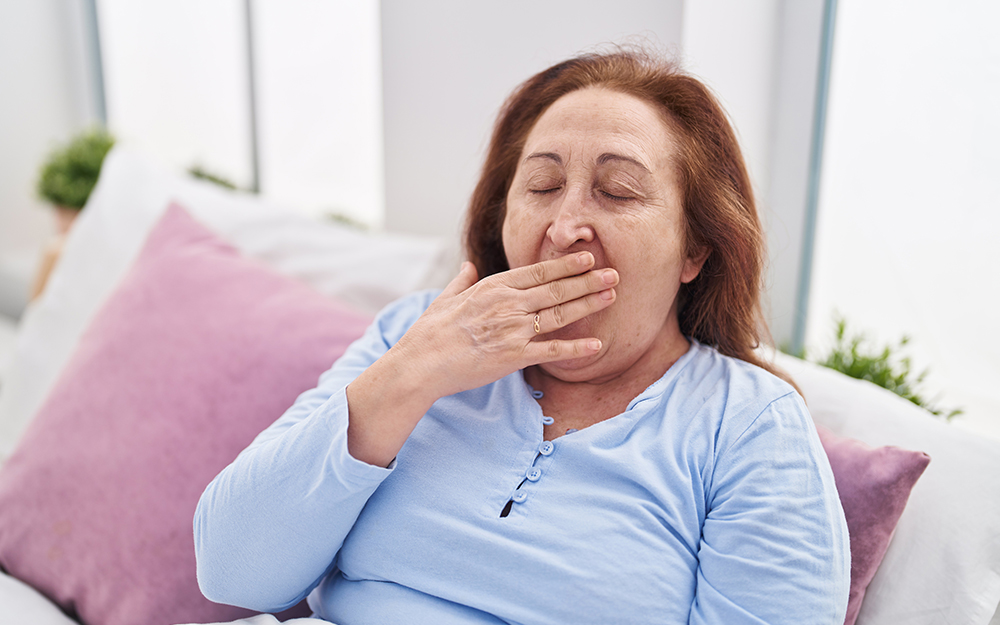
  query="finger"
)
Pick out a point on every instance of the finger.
point(548, 270)
point(555, 350)
point(467, 276)
point(568, 289)
point(551, 319)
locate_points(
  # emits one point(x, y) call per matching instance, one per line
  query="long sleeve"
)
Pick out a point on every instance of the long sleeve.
point(774, 545)
point(269, 527)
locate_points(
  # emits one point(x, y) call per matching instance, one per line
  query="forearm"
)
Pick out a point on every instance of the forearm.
point(268, 528)
point(386, 402)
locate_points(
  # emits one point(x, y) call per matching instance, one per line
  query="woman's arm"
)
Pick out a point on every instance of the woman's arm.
point(774, 545)
point(268, 528)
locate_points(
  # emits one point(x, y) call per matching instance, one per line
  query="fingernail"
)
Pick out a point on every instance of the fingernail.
point(585, 258)
point(609, 276)
point(607, 295)
point(594, 344)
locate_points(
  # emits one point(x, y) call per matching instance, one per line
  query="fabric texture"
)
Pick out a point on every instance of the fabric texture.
point(22, 604)
point(707, 501)
point(196, 352)
point(874, 485)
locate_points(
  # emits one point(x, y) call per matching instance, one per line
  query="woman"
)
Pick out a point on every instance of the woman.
point(576, 429)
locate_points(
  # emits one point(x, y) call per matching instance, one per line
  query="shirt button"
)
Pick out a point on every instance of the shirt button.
point(519, 496)
point(537, 394)
point(546, 448)
point(548, 420)
point(533, 474)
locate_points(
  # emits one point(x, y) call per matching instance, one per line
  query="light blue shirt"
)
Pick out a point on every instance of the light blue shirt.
point(709, 500)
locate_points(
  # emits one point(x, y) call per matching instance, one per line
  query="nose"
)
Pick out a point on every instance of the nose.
point(571, 222)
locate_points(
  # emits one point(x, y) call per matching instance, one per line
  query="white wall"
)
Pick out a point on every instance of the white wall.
point(46, 99)
point(909, 217)
point(793, 122)
point(732, 45)
point(761, 59)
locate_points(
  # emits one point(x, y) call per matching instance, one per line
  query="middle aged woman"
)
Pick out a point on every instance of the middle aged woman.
point(576, 429)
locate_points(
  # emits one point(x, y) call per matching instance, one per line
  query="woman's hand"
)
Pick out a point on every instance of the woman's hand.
point(473, 334)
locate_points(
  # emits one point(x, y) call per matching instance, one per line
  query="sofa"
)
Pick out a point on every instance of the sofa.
point(182, 318)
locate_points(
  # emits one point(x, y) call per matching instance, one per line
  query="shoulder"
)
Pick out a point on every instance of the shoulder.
point(734, 384)
point(735, 396)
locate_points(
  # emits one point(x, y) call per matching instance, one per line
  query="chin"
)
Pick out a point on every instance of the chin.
point(574, 370)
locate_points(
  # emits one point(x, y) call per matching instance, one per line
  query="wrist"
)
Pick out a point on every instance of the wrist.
point(385, 403)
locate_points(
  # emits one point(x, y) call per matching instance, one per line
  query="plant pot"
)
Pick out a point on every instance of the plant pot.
point(65, 218)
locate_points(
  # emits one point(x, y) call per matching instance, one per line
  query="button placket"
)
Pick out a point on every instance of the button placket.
point(531, 475)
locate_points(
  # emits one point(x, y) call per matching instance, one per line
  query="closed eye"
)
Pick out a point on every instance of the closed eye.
point(545, 191)
point(615, 198)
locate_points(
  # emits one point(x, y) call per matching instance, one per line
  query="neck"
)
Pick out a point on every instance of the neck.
point(579, 404)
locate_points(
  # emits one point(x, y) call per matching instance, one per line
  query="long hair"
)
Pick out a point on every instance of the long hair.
point(721, 307)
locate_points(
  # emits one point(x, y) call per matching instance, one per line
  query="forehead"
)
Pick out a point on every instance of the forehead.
point(600, 119)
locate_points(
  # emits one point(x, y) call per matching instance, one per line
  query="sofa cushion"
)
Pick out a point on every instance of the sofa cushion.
point(196, 352)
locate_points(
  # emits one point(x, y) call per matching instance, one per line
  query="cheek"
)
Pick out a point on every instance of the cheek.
point(508, 237)
point(517, 236)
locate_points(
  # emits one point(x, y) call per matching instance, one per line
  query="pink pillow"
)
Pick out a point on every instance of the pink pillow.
point(874, 485)
point(196, 352)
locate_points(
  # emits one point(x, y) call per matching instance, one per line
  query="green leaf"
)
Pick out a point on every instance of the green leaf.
point(856, 356)
point(69, 174)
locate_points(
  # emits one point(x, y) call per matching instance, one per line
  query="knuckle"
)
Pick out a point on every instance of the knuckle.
point(559, 316)
point(553, 349)
point(538, 273)
point(557, 290)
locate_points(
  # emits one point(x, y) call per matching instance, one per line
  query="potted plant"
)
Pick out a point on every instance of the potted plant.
point(69, 174)
point(66, 179)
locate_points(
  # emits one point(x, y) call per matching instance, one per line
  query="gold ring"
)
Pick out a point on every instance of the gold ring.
point(538, 328)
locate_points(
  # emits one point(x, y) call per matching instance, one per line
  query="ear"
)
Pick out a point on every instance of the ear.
point(693, 264)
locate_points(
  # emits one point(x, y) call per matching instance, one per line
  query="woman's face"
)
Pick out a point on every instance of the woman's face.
point(597, 173)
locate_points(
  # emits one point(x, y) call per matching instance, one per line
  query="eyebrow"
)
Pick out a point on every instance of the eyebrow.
point(552, 156)
point(601, 160)
point(608, 157)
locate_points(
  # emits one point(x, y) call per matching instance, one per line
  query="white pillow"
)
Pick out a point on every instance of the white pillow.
point(362, 269)
point(943, 564)
point(20, 603)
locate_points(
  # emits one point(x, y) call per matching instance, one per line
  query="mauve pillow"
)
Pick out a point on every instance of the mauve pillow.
point(874, 485)
point(196, 352)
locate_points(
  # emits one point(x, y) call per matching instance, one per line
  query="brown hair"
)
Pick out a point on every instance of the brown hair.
point(721, 307)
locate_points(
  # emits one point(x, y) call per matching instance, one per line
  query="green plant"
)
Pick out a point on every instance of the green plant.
point(854, 355)
point(201, 173)
point(69, 174)
point(339, 217)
